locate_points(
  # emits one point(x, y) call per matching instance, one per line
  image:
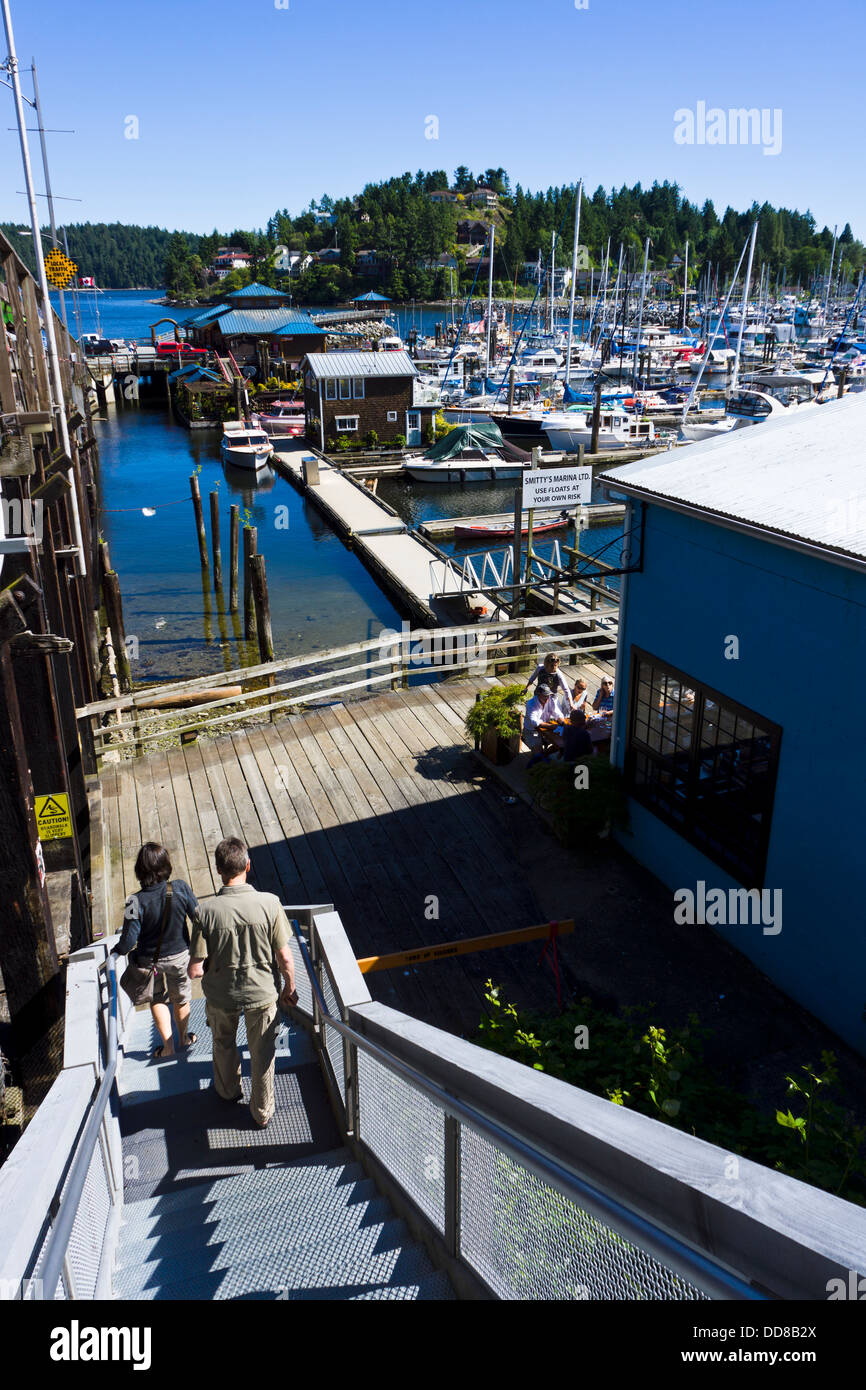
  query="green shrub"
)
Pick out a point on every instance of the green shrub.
point(344, 443)
point(399, 441)
point(500, 709)
point(371, 439)
point(580, 805)
point(662, 1073)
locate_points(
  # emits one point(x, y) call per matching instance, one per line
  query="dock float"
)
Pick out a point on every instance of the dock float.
point(407, 565)
point(598, 514)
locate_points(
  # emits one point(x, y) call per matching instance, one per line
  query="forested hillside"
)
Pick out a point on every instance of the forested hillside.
point(412, 237)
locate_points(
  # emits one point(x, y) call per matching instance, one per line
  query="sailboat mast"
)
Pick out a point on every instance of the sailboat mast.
point(830, 277)
point(686, 288)
point(490, 295)
point(573, 279)
point(640, 312)
point(746, 284)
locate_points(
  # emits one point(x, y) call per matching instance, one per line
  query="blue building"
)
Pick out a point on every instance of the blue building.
point(741, 691)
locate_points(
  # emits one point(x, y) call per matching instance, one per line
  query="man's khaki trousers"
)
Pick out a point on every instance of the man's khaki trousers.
point(261, 1040)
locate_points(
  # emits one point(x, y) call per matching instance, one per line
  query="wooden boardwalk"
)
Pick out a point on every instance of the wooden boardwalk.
point(378, 806)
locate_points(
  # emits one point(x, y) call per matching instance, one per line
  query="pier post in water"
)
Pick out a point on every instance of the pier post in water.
point(199, 521)
point(263, 607)
point(234, 530)
point(250, 549)
point(215, 539)
point(596, 420)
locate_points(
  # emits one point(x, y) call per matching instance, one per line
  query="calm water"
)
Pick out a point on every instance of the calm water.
point(321, 595)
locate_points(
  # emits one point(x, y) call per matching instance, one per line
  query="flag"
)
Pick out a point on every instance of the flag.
point(86, 282)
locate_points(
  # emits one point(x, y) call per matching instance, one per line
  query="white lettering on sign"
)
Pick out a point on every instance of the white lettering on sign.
point(557, 487)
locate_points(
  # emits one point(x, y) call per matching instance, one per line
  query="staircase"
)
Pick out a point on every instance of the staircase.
point(215, 1208)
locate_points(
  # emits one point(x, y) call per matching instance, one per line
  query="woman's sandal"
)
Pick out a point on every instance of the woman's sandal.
point(190, 1039)
point(157, 1053)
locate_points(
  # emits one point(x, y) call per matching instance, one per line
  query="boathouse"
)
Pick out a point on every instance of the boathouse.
point(255, 322)
point(352, 393)
point(740, 684)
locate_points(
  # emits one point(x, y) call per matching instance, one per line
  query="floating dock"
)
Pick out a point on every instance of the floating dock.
point(407, 565)
point(440, 528)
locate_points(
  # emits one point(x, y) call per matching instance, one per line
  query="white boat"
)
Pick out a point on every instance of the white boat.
point(617, 430)
point(245, 446)
point(717, 360)
point(468, 453)
point(744, 408)
point(283, 417)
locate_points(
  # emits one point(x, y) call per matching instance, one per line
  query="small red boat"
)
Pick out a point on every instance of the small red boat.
point(506, 530)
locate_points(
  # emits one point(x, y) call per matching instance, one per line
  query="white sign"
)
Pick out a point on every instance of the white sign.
point(557, 487)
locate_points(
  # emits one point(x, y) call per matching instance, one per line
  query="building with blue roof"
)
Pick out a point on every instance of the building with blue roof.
point(259, 328)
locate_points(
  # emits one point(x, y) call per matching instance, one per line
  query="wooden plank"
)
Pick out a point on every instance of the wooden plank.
point(130, 829)
point(211, 827)
point(314, 886)
point(264, 792)
point(198, 853)
point(249, 827)
point(172, 835)
point(115, 893)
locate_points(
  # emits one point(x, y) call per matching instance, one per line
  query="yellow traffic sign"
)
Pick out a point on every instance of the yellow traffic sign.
point(59, 269)
point(52, 816)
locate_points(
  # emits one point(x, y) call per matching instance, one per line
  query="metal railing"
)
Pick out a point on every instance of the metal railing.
point(55, 1262)
point(685, 1272)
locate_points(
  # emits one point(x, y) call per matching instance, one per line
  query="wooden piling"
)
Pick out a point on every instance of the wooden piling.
point(259, 581)
point(234, 531)
point(250, 549)
point(215, 539)
point(114, 612)
point(596, 420)
point(199, 520)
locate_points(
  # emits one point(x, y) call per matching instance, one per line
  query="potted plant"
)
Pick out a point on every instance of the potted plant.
point(582, 799)
point(495, 721)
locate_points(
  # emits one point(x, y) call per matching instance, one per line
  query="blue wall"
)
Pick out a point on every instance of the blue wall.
point(801, 622)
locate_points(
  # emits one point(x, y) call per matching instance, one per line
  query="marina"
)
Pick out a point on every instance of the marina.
point(421, 881)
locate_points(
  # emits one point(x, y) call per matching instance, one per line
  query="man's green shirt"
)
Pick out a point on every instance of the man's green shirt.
point(237, 933)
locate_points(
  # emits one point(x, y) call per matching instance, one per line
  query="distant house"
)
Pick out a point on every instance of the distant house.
point(482, 198)
point(352, 393)
point(368, 261)
point(256, 324)
point(675, 263)
point(747, 579)
point(330, 256)
point(324, 219)
point(445, 261)
point(443, 195)
point(292, 263)
point(227, 259)
point(471, 233)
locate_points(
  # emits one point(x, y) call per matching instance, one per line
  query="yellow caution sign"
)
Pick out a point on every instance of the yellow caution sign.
point(59, 269)
point(52, 816)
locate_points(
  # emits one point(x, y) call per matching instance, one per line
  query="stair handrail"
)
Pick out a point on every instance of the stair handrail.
point(705, 1273)
point(61, 1231)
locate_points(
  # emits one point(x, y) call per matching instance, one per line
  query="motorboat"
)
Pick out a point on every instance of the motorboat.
point(468, 453)
point(617, 429)
point(282, 418)
point(745, 407)
point(245, 446)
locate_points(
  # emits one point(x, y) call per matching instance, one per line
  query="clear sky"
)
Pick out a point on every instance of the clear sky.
point(245, 106)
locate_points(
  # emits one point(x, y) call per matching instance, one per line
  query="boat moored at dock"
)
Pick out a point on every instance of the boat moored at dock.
point(245, 446)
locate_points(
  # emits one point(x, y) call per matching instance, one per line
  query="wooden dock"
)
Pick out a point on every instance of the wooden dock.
point(379, 807)
point(408, 566)
point(598, 514)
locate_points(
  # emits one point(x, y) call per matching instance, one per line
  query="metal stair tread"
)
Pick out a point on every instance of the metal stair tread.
point(314, 1253)
point(196, 1236)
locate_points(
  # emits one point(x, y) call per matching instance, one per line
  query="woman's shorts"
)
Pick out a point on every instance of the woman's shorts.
point(172, 984)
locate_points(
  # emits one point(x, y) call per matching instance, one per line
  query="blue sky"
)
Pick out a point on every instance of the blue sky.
point(248, 106)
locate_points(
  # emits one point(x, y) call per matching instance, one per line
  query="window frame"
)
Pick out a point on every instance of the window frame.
point(347, 382)
point(330, 388)
point(343, 428)
point(357, 381)
point(393, 417)
point(691, 825)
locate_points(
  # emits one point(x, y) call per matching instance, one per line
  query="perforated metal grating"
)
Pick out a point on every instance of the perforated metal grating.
point(405, 1131)
point(333, 1040)
point(527, 1241)
point(85, 1244)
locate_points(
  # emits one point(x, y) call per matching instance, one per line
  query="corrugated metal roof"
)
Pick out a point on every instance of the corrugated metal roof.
point(213, 312)
point(331, 364)
point(253, 291)
point(799, 476)
point(262, 321)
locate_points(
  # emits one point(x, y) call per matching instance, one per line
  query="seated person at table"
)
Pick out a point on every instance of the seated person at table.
point(579, 693)
point(602, 721)
point(574, 741)
point(534, 717)
point(549, 673)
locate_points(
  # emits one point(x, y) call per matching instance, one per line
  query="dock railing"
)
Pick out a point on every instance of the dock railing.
point(131, 724)
point(61, 1188)
point(526, 1187)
